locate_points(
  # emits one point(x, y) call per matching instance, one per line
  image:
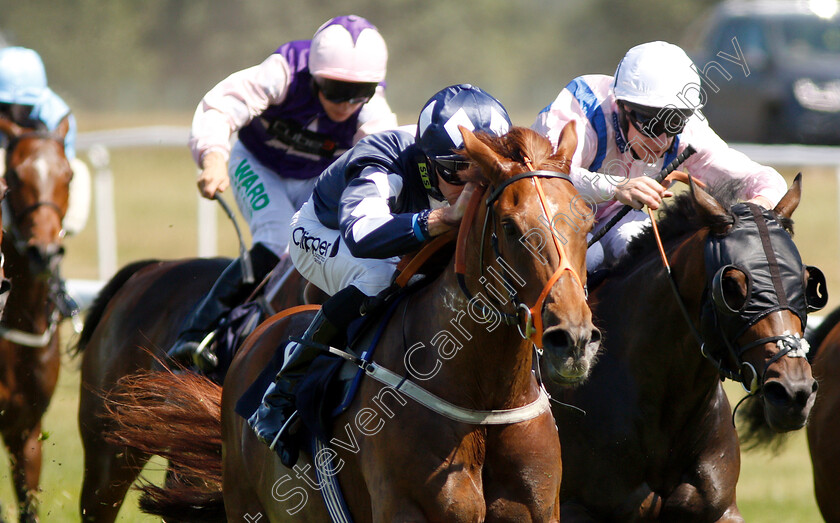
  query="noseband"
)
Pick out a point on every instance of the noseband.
point(533, 315)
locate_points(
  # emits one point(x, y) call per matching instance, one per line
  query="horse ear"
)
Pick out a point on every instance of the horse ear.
point(10, 128)
point(63, 127)
point(709, 208)
point(568, 143)
point(491, 163)
point(790, 201)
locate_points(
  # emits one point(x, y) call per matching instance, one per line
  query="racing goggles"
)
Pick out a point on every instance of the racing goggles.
point(337, 91)
point(656, 122)
point(447, 168)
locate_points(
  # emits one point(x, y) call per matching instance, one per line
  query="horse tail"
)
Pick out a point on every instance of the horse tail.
point(101, 301)
point(177, 417)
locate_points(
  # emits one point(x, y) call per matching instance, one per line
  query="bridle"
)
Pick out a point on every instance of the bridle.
point(533, 329)
point(17, 217)
point(20, 244)
point(727, 331)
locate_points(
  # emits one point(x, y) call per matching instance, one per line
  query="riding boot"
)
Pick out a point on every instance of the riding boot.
point(229, 291)
point(278, 410)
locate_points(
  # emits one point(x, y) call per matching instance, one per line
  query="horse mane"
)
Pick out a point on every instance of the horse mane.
point(96, 310)
point(679, 217)
point(516, 145)
point(817, 336)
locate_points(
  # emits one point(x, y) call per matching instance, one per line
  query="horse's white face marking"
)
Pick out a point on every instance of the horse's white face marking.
point(42, 167)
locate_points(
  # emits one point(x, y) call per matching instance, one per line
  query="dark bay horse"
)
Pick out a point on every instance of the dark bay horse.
point(131, 324)
point(38, 176)
point(395, 458)
point(657, 441)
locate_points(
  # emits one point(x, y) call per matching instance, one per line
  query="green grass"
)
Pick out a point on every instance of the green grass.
point(156, 217)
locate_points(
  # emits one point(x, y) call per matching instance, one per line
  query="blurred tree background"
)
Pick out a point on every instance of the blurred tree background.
point(141, 55)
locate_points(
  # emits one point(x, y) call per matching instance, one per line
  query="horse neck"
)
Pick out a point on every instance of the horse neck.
point(643, 302)
point(489, 364)
point(26, 307)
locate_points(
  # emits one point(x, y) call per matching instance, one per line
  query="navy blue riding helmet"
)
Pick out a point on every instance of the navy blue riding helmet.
point(437, 128)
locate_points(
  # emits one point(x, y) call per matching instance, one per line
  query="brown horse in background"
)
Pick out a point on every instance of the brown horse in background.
point(657, 441)
point(396, 459)
point(38, 176)
point(824, 425)
point(131, 324)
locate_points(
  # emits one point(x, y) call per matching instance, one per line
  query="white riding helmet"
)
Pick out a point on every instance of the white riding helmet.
point(658, 74)
point(22, 76)
point(348, 49)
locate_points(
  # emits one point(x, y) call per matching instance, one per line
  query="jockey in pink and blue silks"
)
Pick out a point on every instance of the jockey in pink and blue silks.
point(295, 114)
point(632, 124)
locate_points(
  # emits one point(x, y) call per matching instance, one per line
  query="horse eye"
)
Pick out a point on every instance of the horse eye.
point(510, 228)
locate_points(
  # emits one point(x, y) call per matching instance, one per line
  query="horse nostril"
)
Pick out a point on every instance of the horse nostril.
point(776, 393)
point(595, 336)
point(557, 338)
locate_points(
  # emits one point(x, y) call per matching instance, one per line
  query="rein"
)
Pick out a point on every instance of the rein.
point(533, 315)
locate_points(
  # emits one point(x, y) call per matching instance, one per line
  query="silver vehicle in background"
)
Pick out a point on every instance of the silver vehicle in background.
point(787, 87)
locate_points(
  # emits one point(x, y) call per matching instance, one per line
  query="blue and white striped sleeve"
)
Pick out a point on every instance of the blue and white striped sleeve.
point(367, 223)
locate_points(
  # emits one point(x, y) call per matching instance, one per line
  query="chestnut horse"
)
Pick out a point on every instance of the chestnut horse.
point(823, 426)
point(38, 176)
point(131, 324)
point(422, 458)
point(657, 441)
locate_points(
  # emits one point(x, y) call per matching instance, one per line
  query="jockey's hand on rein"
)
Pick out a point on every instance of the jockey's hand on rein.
point(446, 218)
point(213, 177)
point(641, 191)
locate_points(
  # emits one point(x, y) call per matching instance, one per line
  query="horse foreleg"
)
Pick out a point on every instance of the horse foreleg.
point(687, 502)
point(25, 458)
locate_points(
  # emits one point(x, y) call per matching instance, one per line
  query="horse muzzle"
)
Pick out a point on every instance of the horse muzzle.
point(569, 353)
point(788, 400)
point(44, 258)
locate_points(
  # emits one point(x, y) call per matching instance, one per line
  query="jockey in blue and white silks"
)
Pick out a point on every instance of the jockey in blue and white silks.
point(632, 124)
point(382, 199)
point(294, 115)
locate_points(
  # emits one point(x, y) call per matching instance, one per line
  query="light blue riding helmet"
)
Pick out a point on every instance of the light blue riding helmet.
point(22, 76)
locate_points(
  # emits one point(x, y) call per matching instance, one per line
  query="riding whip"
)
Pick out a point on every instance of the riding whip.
point(668, 169)
point(244, 255)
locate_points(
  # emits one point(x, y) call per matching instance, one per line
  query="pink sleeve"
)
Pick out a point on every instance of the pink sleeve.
point(234, 102)
point(715, 160)
point(550, 123)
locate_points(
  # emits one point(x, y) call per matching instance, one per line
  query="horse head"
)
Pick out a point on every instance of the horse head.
point(38, 176)
point(758, 293)
point(532, 235)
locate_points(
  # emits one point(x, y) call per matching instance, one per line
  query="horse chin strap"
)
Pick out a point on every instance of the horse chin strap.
point(533, 328)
